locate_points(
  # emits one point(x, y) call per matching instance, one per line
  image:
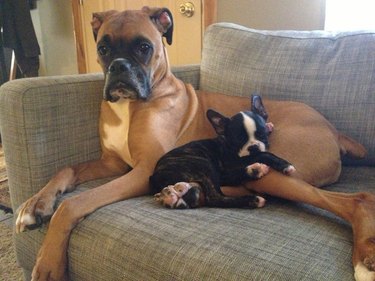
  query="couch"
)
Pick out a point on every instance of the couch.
point(50, 122)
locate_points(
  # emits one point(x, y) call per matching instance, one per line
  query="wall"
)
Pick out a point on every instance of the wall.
point(274, 14)
point(54, 25)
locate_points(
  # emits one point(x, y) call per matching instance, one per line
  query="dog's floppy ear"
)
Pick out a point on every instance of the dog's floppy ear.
point(163, 21)
point(258, 107)
point(217, 120)
point(98, 19)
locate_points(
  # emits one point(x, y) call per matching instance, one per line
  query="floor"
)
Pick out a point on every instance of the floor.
point(6, 219)
point(9, 268)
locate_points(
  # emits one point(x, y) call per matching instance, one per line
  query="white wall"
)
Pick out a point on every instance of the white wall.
point(54, 25)
point(274, 14)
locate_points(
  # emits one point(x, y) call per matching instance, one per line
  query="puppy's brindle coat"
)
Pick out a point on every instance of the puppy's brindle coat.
point(190, 176)
point(155, 112)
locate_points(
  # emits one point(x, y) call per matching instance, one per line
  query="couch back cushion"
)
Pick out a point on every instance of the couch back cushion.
point(332, 72)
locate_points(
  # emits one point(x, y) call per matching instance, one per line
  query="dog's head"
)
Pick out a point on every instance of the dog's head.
point(130, 50)
point(246, 132)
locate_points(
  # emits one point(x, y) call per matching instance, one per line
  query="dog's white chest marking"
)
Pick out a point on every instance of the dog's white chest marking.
point(115, 132)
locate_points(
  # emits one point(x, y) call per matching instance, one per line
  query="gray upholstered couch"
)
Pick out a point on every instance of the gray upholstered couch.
point(50, 122)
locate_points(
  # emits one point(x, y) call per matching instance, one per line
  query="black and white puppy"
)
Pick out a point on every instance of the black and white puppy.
point(191, 175)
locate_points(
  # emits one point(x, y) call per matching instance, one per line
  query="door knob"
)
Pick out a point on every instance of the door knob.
point(187, 9)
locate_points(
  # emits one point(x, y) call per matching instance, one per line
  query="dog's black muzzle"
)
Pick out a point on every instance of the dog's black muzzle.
point(126, 79)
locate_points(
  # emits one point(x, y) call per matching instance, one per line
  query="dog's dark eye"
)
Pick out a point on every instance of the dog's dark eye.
point(144, 49)
point(103, 50)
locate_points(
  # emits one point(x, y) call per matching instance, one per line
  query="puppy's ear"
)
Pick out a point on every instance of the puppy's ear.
point(258, 107)
point(217, 120)
point(98, 19)
point(163, 21)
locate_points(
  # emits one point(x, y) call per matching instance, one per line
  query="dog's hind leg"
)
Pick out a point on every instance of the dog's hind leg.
point(40, 207)
point(356, 208)
point(350, 147)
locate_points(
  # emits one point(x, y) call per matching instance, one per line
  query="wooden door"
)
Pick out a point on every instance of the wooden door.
point(187, 33)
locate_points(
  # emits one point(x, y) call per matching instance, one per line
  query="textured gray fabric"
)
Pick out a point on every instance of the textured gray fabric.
point(137, 239)
point(188, 73)
point(332, 72)
point(46, 124)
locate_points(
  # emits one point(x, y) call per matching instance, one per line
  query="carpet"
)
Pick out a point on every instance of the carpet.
point(4, 189)
point(9, 270)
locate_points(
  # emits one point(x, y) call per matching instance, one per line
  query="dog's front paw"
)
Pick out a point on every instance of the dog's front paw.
point(34, 212)
point(51, 263)
point(257, 170)
point(289, 170)
point(364, 270)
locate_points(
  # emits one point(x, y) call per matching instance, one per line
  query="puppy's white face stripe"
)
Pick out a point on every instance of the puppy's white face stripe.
point(250, 127)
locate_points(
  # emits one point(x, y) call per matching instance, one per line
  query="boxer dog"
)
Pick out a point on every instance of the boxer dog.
point(147, 111)
point(190, 176)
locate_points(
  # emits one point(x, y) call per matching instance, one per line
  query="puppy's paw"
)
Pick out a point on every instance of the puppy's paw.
point(289, 170)
point(257, 170)
point(194, 198)
point(181, 188)
point(269, 127)
point(166, 197)
point(171, 195)
point(255, 202)
point(260, 201)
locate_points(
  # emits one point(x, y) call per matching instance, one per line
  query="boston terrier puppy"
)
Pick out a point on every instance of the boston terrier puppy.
point(190, 176)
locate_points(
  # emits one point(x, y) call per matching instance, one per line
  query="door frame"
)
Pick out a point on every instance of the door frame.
point(209, 16)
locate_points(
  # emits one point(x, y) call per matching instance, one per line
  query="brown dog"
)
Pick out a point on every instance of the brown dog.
point(147, 111)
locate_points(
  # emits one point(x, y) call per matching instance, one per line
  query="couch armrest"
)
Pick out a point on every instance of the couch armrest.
point(48, 123)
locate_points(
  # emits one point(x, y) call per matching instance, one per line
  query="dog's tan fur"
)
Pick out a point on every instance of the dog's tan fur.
point(136, 133)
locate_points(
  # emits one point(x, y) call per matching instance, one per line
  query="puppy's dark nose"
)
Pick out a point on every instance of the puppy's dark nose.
point(119, 66)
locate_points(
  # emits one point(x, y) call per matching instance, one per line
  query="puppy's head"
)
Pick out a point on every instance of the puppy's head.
point(130, 50)
point(246, 132)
